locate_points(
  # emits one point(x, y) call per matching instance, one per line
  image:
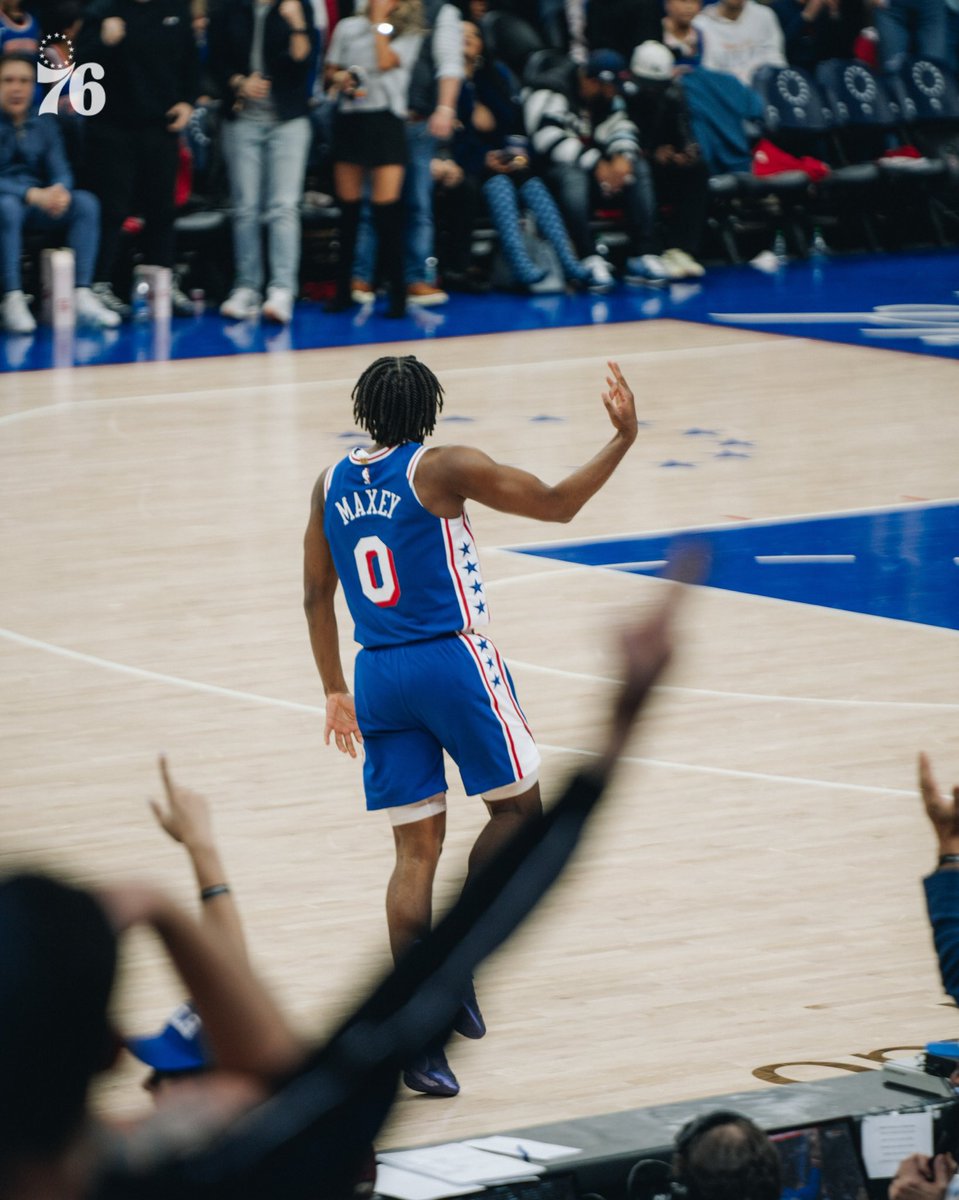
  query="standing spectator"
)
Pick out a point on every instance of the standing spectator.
point(741, 35)
point(19, 30)
point(368, 67)
point(431, 110)
point(816, 30)
point(658, 107)
point(588, 152)
point(151, 81)
point(262, 54)
point(905, 27)
point(36, 192)
point(680, 34)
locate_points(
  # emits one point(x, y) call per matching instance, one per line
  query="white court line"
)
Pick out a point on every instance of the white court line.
point(230, 393)
point(759, 523)
point(793, 779)
point(805, 558)
point(313, 709)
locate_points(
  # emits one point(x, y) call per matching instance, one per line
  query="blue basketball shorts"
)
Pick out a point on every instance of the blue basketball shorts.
point(451, 693)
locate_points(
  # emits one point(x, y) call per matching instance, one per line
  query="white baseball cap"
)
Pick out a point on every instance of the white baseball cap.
point(652, 60)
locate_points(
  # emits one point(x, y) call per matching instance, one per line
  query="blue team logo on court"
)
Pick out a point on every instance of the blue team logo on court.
point(902, 564)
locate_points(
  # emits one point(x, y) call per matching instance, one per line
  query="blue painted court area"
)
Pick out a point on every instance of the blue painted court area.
point(901, 302)
point(901, 563)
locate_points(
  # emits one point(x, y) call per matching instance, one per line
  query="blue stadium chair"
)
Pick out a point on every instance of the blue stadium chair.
point(867, 122)
point(796, 118)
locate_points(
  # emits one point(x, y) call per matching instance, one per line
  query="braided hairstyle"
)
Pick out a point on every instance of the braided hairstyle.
point(396, 400)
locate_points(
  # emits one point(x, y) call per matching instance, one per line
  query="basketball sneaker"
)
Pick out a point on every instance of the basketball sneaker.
point(469, 1020)
point(430, 1074)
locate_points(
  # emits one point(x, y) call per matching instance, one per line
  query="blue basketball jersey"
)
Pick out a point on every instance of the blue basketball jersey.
point(406, 574)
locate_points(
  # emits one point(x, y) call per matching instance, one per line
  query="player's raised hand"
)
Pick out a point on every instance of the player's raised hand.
point(942, 810)
point(341, 722)
point(620, 403)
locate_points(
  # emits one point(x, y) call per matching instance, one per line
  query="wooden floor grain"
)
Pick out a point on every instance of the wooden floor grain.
point(749, 896)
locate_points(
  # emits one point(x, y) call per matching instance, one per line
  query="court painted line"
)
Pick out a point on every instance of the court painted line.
point(314, 709)
point(732, 774)
point(230, 392)
point(804, 558)
point(759, 697)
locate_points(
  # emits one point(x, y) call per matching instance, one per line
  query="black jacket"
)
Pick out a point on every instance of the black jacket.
point(155, 65)
point(230, 40)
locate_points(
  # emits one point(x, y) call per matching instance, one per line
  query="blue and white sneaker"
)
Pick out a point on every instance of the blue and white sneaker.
point(430, 1074)
point(648, 268)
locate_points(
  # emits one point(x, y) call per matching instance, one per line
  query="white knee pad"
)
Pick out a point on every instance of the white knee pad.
point(509, 790)
point(419, 810)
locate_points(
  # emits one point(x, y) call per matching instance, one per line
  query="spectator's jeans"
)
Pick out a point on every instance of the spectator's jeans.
point(578, 194)
point(910, 27)
point(81, 222)
point(266, 161)
point(418, 201)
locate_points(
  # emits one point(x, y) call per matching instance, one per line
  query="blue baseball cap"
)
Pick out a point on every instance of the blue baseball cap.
point(179, 1046)
point(604, 65)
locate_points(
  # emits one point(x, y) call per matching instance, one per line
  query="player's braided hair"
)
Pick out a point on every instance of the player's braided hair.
point(396, 400)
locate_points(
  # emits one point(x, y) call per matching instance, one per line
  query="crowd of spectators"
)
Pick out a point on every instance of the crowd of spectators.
point(417, 120)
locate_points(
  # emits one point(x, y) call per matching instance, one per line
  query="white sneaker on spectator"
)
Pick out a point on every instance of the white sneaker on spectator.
point(242, 304)
point(601, 278)
point(278, 306)
point(17, 317)
point(683, 265)
point(648, 268)
point(92, 311)
point(105, 294)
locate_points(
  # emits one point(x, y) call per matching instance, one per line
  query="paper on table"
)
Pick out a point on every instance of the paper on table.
point(458, 1163)
point(888, 1138)
point(406, 1185)
point(520, 1147)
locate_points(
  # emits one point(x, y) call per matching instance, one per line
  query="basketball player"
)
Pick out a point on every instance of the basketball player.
point(389, 523)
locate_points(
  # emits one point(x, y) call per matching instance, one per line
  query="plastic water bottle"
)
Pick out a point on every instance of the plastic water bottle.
point(819, 249)
point(779, 248)
point(198, 298)
point(141, 300)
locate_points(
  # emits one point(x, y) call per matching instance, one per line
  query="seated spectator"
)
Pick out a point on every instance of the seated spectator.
point(657, 105)
point(37, 193)
point(816, 30)
point(324, 1107)
point(725, 1154)
point(19, 30)
point(739, 36)
point(588, 152)
point(261, 55)
point(487, 147)
point(680, 34)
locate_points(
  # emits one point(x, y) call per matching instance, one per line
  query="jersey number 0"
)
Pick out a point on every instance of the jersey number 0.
point(377, 572)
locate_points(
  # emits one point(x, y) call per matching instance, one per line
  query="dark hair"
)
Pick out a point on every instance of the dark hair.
point(725, 1156)
point(396, 400)
point(56, 975)
point(19, 56)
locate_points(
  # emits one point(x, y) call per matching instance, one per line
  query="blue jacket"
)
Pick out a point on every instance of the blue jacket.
point(719, 108)
point(35, 158)
point(942, 902)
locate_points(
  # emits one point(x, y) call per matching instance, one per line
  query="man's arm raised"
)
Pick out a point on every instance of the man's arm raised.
point(319, 587)
point(449, 475)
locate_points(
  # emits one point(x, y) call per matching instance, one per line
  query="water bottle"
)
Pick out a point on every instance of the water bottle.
point(819, 249)
point(141, 300)
point(198, 299)
point(779, 248)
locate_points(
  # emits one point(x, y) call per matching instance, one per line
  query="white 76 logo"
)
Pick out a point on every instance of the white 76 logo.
point(87, 97)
